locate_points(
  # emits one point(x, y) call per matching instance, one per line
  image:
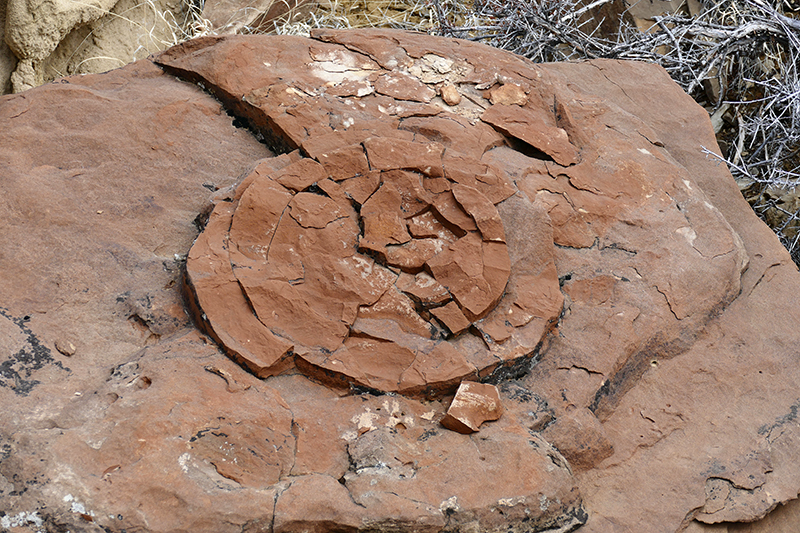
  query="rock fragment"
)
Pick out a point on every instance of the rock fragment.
point(580, 437)
point(452, 317)
point(474, 404)
point(482, 212)
point(403, 87)
point(450, 94)
point(65, 347)
point(535, 128)
point(508, 94)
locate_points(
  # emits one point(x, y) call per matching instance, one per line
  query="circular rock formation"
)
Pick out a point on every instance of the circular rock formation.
point(374, 265)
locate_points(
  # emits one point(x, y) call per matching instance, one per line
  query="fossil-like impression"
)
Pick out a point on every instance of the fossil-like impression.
point(425, 210)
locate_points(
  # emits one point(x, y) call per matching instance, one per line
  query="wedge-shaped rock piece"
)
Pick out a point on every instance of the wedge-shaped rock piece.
point(452, 317)
point(534, 128)
point(475, 272)
point(423, 288)
point(356, 278)
point(398, 308)
point(345, 162)
point(257, 216)
point(412, 256)
point(282, 308)
point(391, 154)
point(383, 219)
point(415, 198)
point(491, 182)
point(300, 175)
point(403, 87)
point(360, 188)
point(482, 211)
point(451, 212)
point(474, 404)
point(314, 211)
point(337, 238)
point(426, 225)
point(225, 311)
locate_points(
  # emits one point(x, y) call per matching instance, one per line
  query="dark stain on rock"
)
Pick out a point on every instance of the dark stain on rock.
point(17, 369)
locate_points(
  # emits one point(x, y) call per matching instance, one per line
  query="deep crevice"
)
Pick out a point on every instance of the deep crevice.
point(263, 128)
point(528, 150)
point(514, 369)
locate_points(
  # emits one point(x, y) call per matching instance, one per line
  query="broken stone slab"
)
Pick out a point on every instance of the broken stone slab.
point(482, 211)
point(508, 94)
point(425, 477)
point(410, 217)
point(534, 127)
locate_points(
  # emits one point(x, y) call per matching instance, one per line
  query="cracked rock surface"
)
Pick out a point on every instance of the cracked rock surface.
point(420, 212)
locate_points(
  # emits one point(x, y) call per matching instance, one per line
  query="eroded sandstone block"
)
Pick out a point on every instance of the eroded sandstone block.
point(629, 305)
point(418, 186)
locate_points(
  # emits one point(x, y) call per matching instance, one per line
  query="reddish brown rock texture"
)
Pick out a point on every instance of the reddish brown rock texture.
point(427, 212)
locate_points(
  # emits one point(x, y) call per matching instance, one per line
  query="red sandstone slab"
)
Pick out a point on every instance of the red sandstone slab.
point(413, 255)
point(461, 269)
point(423, 287)
point(390, 154)
point(257, 216)
point(652, 201)
point(452, 317)
point(383, 219)
point(344, 163)
point(282, 308)
point(360, 188)
point(450, 211)
point(456, 133)
point(482, 211)
point(403, 87)
point(313, 210)
point(300, 175)
point(469, 171)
